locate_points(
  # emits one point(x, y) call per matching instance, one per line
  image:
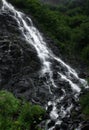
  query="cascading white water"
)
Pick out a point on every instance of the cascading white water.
point(34, 38)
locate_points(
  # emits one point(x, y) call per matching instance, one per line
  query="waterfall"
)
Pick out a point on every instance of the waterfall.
point(64, 73)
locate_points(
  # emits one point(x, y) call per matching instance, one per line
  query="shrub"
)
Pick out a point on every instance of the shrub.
point(8, 103)
point(18, 115)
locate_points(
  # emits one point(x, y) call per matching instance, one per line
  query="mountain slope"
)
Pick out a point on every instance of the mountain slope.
point(33, 71)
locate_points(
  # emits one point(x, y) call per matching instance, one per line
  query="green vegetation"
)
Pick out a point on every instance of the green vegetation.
point(18, 115)
point(84, 101)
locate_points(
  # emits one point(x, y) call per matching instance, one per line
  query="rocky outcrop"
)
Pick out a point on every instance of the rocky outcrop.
point(18, 60)
point(19, 63)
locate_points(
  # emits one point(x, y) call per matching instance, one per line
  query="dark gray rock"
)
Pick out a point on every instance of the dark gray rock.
point(57, 127)
point(51, 123)
point(85, 127)
point(18, 60)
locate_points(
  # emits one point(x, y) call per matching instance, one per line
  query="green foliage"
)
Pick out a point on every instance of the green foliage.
point(8, 103)
point(84, 101)
point(30, 115)
point(85, 54)
point(87, 79)
point(18, 115)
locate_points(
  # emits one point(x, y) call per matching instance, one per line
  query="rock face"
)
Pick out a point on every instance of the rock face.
point(19, 63)
point(18, 60)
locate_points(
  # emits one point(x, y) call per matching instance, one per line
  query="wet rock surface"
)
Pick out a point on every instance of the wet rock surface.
point(19, 63)
point(18, 60)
